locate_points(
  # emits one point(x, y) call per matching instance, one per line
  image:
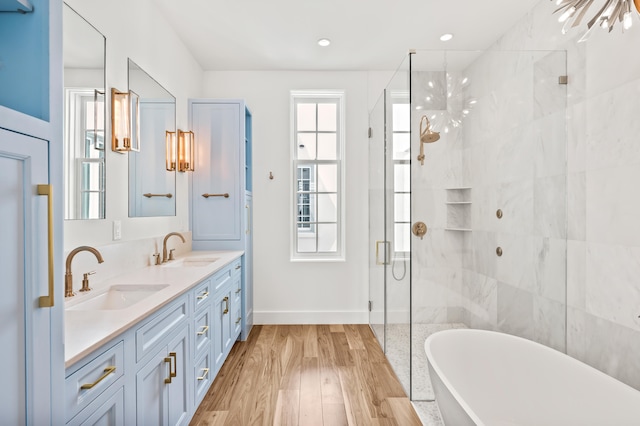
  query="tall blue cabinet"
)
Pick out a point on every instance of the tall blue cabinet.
point(221, 186)
point(31, 212)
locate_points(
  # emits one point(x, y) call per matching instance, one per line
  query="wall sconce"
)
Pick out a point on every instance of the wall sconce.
point(186, 149)
point(125, 119)
point(170, 149)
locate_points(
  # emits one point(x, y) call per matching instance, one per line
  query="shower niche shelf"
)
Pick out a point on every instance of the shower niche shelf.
point(458, 203)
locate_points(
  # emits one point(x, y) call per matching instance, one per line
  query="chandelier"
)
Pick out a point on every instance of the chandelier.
point(572, 12)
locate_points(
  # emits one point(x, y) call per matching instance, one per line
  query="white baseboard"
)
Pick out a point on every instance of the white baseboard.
point(310, 317)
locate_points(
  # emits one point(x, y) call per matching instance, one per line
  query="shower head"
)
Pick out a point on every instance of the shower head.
point(427, 135)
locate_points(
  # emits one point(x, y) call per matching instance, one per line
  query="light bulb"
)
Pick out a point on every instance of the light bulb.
point(430, 84)
point(605, 24)
point(567, 14)
point(558, 2)
point(627, 21)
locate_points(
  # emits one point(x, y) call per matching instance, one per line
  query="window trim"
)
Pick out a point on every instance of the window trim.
point(317, 95)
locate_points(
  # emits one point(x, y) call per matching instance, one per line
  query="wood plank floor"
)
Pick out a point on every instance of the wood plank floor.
point(328, 375)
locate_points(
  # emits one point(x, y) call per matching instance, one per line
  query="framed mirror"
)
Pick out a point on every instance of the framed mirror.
point(84, 118)
point(151, 186)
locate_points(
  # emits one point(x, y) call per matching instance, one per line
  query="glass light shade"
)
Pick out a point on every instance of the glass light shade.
point(186, 149)
point(125, 118)
point(170, 150)
point(120, 126)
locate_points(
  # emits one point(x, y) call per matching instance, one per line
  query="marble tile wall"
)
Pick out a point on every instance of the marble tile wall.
point(563, 164)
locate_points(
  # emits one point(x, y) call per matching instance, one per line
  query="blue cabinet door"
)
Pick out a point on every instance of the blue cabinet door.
point(25, 335)
point(214, 215)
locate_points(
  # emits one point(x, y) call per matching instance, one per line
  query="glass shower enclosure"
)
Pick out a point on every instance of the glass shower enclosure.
point(489, 182)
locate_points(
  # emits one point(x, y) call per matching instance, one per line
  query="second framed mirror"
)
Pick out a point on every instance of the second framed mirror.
point(151, 186)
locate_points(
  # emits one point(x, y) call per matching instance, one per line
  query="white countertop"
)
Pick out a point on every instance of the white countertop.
point(86, 331)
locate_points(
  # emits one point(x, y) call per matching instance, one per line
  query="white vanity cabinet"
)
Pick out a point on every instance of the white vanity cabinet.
point(158, 371)
point(221, 186)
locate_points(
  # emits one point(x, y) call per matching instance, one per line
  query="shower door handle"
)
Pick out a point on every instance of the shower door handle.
point(385, 260)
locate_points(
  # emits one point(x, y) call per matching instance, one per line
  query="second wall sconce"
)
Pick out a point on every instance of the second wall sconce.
point(180, 157)
point(186, 151)
point(125, 119)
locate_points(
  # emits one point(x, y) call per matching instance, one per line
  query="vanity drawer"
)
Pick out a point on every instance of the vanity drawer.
point(222, 278)
point(201, 294)
point(150, 335)
point(202, 331)
point(202, 373)
point(92, 379)
point(108, 408)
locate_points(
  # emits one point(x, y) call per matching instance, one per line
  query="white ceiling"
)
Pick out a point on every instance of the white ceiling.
point(365, 34)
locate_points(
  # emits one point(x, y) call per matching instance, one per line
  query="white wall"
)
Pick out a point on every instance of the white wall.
point(301, 292)
point(137, 30)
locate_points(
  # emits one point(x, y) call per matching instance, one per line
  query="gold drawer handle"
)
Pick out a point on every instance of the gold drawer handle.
point(47, 301)
point(226, 301)
point(238, 290)
point(107, 371)
point(203, 295)
point(206, 372)
point(238, 320)
point(225, 195)
point(203, 331)
point(238, 267)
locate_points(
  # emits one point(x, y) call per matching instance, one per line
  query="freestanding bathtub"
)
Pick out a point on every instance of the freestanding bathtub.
point(494, 379)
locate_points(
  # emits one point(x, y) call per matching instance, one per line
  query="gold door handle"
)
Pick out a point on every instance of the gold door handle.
point(168, 379)
point(149, 195)
point(384, 261)
point(226, 301)
point(238, 320)
point(203, 296)
point(225, 195)
point(203, 330)
point(107, 371)
point(47, 301)
point(205, 372)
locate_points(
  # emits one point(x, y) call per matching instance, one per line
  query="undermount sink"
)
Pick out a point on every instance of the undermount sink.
point(191, 262)
point(118, 297)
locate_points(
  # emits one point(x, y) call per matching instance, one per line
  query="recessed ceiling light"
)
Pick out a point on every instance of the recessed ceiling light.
point(446, 37)
point(324, 42)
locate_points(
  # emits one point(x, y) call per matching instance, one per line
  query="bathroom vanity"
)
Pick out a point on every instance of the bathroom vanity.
point(145, 348)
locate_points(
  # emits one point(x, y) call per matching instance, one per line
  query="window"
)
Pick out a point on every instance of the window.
point(317, 147)
point(401, 139)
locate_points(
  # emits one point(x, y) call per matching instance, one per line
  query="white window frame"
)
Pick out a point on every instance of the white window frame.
point(311, 96)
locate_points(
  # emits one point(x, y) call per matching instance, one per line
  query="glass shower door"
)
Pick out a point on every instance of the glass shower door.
point(377, 235)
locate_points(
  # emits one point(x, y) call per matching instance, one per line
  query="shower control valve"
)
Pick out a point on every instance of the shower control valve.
point(419, 229)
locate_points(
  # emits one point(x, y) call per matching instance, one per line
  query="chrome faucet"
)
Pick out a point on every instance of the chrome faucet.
point(68, 276)
point(164, 245)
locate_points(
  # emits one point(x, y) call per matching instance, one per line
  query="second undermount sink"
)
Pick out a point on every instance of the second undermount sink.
point(118, 297)
point(191, 262)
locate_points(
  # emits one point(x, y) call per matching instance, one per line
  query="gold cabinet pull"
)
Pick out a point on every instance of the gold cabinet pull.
point(238, 320)
point(225, 195)
point(149, 195)
point(248, 231)
point(174, 373)
point(107, 371)
point(238, 267)
point(203, 330)
point(238, 290)
point(205, 373)
point(226, 301)
point(47, 301)
point(168, 379)
point(203, 295)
